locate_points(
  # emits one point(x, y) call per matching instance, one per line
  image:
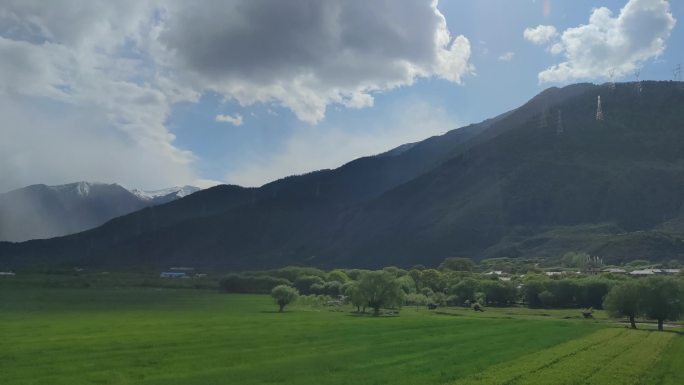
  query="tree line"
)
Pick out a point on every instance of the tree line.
point(454, 283)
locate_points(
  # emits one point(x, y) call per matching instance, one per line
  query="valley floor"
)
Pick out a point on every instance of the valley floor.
point(185, 337)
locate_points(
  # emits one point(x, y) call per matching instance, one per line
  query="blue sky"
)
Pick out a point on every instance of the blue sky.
point(161, 96)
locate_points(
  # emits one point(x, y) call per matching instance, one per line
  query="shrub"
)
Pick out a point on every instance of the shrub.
point(284, 295)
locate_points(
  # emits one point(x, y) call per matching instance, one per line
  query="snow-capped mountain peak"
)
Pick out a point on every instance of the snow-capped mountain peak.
point(82, 188)
point(176, 191)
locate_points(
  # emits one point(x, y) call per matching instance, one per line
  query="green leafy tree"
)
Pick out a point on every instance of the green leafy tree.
point(663, 299)
point(356, 298)
point(417, 276)
point(338, 276)
point(465, 290)
point(433, 279)
point(304, 283)
point(395, 271)
point(499, 293)
point(380, 289)
point(333, 288)
point(457, 264)
point(563, 290)
point(291, 273)
point(624, 300)
point(407, 284)
point(284, 295)
point(439, 299)
point(480, 298)
point(547, 299)
point(591, 292)
point(531, 291)
point(416, 299)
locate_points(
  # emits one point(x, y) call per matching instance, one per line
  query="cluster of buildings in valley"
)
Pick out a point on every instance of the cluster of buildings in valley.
point(181, 272)
point(646, 272)
point(617, 270)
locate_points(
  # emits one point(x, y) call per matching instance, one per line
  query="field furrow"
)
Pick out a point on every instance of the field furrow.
point(609, 356)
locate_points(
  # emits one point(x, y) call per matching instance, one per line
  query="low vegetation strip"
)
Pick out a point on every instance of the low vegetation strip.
point(610, 356)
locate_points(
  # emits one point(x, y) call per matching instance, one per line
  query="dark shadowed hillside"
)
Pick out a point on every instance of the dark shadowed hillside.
point(540, 180)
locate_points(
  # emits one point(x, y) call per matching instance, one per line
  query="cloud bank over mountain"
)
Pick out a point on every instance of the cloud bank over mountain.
point(86, 88)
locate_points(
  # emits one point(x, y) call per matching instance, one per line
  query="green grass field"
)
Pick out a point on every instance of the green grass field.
point(169, 336)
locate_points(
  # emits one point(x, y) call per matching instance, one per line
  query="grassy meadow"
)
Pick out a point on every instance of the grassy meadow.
point(182, 337)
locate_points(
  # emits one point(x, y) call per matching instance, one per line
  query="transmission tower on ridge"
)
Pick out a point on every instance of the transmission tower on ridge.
point(637, 86)
point(611, 79)
point(543, 118)
point(677, 74)
point(599, 110)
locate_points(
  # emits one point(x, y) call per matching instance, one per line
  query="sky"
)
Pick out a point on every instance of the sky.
point(157, 93)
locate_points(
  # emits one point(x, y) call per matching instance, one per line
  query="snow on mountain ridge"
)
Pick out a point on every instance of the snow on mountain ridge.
point(180, 192)
point(82, 188)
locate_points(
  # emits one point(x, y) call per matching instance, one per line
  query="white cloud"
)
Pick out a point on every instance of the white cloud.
point(86, 95)
point(315, 148)
point(540, 34)
point(307, 55)
point(54, 142)
point(235, 120)
point(507, 56)
point(115, 69)
point(620, 44)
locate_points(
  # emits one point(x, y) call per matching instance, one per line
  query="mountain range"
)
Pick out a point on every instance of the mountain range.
point(538, 181)
point(41, 211)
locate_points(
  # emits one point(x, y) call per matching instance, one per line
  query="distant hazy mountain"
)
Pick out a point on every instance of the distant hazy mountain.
point(41, 211)
point(540, 180)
